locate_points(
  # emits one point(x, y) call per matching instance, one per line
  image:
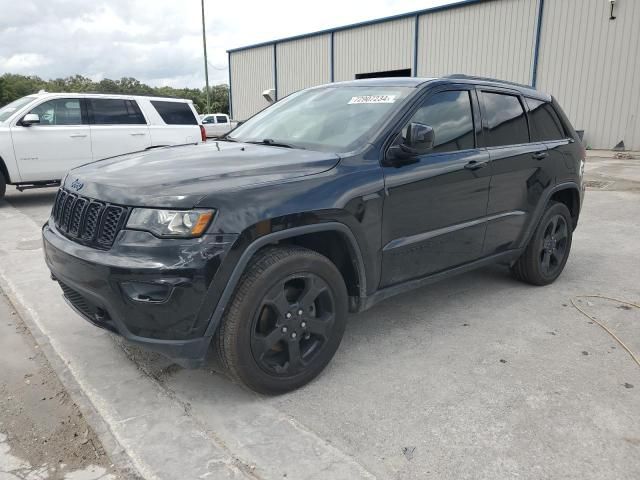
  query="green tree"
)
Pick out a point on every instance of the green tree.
point(14, 86)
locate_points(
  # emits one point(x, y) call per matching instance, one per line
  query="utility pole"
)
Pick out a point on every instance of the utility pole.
point(206, 66)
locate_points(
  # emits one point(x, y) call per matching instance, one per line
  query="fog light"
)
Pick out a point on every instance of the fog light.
point(146, 292)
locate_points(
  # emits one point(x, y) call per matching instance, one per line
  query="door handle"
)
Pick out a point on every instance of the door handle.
point(137, 134)
point(475, 165)
point(539, 155)
point(78, 135)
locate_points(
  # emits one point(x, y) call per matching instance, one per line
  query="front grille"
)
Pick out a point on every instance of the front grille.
point(88, 221)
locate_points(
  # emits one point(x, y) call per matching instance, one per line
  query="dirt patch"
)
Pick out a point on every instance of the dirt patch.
point(43, 432)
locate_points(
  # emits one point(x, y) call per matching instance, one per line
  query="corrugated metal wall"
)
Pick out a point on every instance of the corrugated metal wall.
point(373, 48)
point(592, 65)
point(490, 39)
point(252, 73)
point(303, 63)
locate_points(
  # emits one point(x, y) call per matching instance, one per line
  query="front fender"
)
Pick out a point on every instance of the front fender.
point(8, 164)
point(257, 244)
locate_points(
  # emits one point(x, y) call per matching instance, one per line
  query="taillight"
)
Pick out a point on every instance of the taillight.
point(203, 133)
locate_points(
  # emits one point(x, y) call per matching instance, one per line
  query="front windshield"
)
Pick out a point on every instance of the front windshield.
point(334, 118)
point(8, 110)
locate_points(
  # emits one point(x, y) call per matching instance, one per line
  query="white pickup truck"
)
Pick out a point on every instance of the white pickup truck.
point(217, 124)
point(44, 135)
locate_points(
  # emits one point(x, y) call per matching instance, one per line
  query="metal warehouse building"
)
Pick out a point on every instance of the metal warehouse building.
point(585, 52)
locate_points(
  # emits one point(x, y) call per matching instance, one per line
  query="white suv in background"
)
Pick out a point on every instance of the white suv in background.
point(42, 136)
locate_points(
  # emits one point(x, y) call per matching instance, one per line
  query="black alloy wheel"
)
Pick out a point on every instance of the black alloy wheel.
point(554, 245)
point(292, 324)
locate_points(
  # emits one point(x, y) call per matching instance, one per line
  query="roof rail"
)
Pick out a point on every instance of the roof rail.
point(462, 76)
point(131, 94)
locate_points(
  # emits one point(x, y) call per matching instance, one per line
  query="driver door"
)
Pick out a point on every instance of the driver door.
point(436, 203)
point(61, 141)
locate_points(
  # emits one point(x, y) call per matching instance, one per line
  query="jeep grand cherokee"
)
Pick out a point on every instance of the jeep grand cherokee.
point(328, 201)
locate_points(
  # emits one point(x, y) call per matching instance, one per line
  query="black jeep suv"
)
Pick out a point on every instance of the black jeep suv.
point(328, 201)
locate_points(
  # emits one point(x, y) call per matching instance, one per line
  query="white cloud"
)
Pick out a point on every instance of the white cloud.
point(160, 41)
point(24, 62)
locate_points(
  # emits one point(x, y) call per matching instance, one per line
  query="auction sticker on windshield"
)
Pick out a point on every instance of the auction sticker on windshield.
point(372, 99)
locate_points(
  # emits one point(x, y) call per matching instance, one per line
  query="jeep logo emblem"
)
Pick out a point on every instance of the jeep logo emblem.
point(77, 185)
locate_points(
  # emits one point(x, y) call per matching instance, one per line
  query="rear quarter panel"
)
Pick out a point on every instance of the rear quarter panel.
point(162, 134)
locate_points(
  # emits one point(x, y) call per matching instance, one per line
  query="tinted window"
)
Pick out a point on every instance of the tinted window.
point(115, 111)
point(504, 120)
point(61, 111)
point(545, 123)
point(209, 119)
point(451, 117)
point(175, 113)
point(221, 119)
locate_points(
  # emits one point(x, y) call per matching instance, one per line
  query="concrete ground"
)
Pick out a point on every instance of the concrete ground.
point(476, 377)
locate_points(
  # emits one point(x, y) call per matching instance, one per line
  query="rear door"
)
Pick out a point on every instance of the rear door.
point(60, 142)
point(117, 127)
point(435, 205)
point(518, 165)
point(546, 127)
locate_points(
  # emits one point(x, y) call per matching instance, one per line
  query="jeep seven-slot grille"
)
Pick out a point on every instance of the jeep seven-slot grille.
point(88, 221)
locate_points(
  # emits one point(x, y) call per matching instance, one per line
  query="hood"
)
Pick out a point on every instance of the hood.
point(180, 176)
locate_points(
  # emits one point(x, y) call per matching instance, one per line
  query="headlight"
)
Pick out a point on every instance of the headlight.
point(170, 223)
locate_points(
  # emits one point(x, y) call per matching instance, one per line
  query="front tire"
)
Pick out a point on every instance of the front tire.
point(285, 320)
point(548, 250)
point(3, 186)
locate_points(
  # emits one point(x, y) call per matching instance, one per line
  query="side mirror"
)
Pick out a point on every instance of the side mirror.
point(419, 139)
point(30, 119)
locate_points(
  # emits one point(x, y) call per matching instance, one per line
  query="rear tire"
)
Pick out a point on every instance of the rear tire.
point(285, 321)
point(548, 250)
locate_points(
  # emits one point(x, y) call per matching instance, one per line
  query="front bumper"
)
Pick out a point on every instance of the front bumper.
point(151, 291)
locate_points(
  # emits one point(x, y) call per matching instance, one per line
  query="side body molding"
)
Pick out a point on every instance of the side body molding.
point(265, 240)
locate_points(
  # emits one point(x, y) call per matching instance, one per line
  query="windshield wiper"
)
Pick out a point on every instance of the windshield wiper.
point(273, 143)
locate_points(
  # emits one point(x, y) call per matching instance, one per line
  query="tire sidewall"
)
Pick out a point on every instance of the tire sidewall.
point(3, 186)
point(248, 369)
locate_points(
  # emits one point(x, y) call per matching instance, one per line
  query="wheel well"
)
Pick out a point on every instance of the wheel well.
point(571, 198)
point(336, 248)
